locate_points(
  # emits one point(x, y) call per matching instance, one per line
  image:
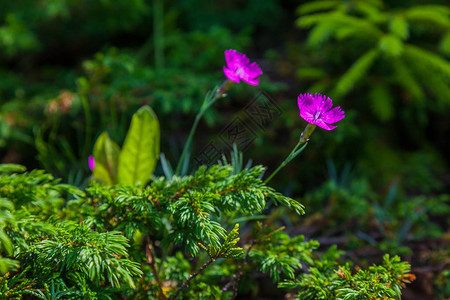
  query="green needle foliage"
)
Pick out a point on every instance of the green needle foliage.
point(59, 242)
point(52, 251)
point(327, 280)
point(190, 206)
point(228, 248)
point(76, 248)
point(283, 255)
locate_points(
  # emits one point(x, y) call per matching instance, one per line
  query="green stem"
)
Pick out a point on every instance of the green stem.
point(284, 163)
point(158, 34)
point(304, 137)
point(309, 129)
point(209, 100)
point(87, 115)
point(188, 142)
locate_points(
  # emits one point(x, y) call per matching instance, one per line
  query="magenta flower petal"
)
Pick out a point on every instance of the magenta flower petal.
point(324, 125)
point(91, 162)
point(334, 115)
point(235, 59)
point(318, 110)
point(239, 68)
point(308, 113)
point(307, 98)
point(326, 103)
point(231, 74)
point(251, 81)
point(253, 70)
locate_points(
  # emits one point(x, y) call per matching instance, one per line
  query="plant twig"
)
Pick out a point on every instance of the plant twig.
point(241, 266)
point(192, 276)
point(151, 261)
point(225, 288)
point(235, 281)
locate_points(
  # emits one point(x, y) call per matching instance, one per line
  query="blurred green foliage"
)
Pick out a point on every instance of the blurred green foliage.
point(391, 52)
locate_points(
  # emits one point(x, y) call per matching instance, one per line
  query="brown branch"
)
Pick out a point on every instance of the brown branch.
point(192, 276)
point(225, 288)
point(179, 193)
point(235, 281)
point(151, 261)
point(241, 266)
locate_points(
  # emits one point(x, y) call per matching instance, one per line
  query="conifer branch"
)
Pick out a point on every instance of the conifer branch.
point(152, 262)
point(192, 276)
point(241, 266)
point(237, 278)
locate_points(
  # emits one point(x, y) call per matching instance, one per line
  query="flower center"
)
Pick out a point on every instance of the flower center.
point(240, 71)
point(317, 115)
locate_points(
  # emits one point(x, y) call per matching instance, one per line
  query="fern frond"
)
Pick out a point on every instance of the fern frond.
point(371, 10)
point(346, 23)
point(436, 14)
point(433, 75)
point(399, 26)
point(320, 34)
point(382, 102)
point(355, 73)
point(375, 3)
point(311, 20)
point(444, 44)
point(404, 77)
point(317, 6)
point(428, 58)
point(391, 45)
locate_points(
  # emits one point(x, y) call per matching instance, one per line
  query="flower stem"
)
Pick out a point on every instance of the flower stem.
point(301, 145)
point(209, 100)
point(284, 163)
point(158, 33)
point(309, 129)
point(87, 115)
point(188, 143)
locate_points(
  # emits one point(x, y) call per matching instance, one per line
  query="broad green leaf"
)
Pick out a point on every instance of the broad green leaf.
point(140, 151)
point(106, 154)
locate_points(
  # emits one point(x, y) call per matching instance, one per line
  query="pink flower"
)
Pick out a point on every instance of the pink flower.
point(239, 68)
point(91, 162)
point(318, 110)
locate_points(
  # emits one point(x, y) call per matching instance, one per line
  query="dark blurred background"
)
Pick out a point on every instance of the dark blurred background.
point(70, 69)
